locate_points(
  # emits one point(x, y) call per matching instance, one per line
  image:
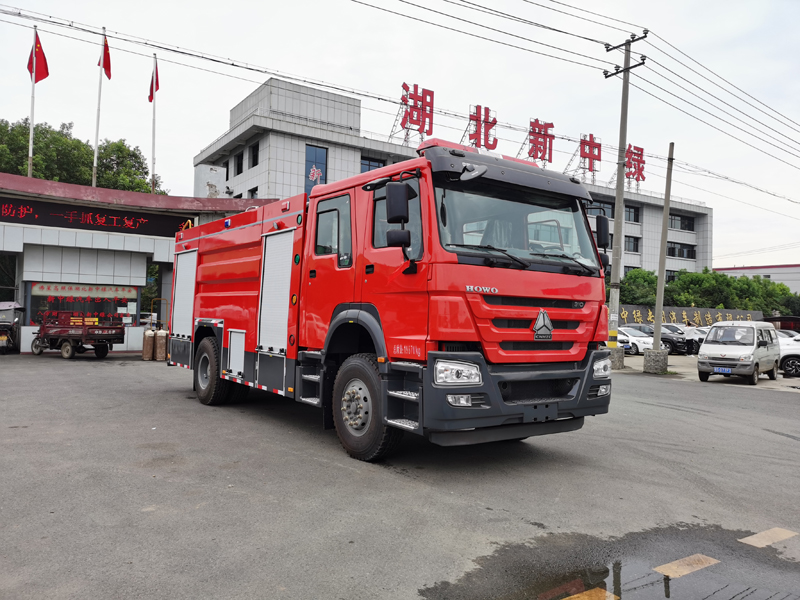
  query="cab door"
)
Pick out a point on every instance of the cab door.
point(328, 270)
point(397, 288)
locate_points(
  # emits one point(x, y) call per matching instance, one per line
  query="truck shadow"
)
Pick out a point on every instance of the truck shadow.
point(416, 453)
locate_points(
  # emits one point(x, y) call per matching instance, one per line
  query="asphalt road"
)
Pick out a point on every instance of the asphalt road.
point(116, 483)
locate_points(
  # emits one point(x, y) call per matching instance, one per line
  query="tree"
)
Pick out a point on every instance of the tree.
point(58, 156)
point(638, 287)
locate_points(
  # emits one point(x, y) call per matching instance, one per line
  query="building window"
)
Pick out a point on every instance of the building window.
point(599, 206)
point(632, 214)
point(333, 230)
point(671, 275)
point(370, 164)
point(631, 244)
point(238, 164)
point(380, 226)
point(681, 222)
point(227, 170)
point(252, 193)
point(253, 155)
point(628, 270)
point(681, 250)
point(316, 167)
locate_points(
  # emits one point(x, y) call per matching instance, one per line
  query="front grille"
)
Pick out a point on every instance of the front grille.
point(534, 346)
point(532, 302)
point(536, 391)
point(526, 323)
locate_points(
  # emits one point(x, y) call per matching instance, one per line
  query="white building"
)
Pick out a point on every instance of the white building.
point(786, 274)
point(284, 135)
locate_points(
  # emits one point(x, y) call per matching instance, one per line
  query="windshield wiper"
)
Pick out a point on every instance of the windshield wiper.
point(586, 268)
point(490, 247)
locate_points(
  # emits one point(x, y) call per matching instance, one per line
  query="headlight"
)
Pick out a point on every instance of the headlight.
point(746, 357)
point(703, 357)
point(602, 368)
point(457, 373)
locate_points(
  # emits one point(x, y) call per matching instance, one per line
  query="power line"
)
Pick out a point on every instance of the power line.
point(475, 35)
point(766, 250)
point(595, 14)
point(730, 135)
point(722, 78)
point(576, 16)
point(498, 13)
point(519, 37)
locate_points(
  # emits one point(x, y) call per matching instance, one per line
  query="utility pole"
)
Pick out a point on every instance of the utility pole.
point(618, 354)
point(655, 360)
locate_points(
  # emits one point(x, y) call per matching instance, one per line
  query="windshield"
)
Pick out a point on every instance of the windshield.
point(731, 336)
point(635, 333)
point(525, 223)
point(674, 329)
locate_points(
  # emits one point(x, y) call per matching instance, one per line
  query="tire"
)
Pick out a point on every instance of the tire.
point(703, 376)
point(358, 410)
point(237, 392)
point(101, 350)
point(635, 349)
point(212, 390)
point(36, 346)
point(773, 374)
point(791, 366)
point(753, 379)
point(67, 350)
point(670, 346)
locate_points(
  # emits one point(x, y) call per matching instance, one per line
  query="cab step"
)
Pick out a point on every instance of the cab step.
point(406, 424)
point(405, 395)
point(309, 400)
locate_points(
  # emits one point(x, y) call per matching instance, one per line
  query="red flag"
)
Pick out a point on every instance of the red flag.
point(41, 62)
point(153, 84)
point(105, 60)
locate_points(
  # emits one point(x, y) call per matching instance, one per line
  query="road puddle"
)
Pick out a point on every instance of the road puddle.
point(687, 562)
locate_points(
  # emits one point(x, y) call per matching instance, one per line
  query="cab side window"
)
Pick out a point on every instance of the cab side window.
point(380, 226)
point(334, 231)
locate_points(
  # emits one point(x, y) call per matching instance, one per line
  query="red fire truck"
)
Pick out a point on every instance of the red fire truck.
point(458, 296)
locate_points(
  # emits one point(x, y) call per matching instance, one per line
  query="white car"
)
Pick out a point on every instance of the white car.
point(639, 342)
point(790, 353)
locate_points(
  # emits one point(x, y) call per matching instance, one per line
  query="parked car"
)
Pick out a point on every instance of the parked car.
point(638, 341)
point(745, 348)
point(788, 333)
point(790, 353)
point(675, 343)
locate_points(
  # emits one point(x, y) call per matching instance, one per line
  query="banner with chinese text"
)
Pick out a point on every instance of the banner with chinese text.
point(703, 317)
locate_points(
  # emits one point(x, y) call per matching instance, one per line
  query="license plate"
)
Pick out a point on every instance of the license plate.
point(722, 369)
point(627, 346)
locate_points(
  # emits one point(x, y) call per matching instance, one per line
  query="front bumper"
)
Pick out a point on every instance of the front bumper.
point(518, 400)
point(737, 368)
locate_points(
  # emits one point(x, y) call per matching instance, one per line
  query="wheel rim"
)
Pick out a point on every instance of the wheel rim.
point(792, 366)
point(356, 407)
point(204, 371)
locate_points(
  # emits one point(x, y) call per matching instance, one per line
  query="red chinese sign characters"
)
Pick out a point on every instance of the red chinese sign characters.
point(419, 109)
point(103, 220)
point(315, 174)
point(634, 163)
point(591, 152)
point(484, 123)
point(20, 211)
point(541, 141)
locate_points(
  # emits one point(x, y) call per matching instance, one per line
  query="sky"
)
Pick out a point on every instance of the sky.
point(752, 45)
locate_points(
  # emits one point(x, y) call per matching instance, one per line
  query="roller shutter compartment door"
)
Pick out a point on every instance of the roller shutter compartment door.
point(275, 287)
point(183, 303)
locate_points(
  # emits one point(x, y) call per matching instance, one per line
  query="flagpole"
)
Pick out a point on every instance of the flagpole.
point(99, 94)
point(33, 97)
point(153, 84)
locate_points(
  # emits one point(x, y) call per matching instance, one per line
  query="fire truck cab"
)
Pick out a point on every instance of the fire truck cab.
point(458, 296)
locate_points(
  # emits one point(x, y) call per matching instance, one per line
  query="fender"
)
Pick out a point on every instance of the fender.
point(365, 315)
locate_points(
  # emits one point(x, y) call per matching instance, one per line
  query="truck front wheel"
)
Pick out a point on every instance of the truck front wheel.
point(211, 388)
point(357, 410)
point(36, 346)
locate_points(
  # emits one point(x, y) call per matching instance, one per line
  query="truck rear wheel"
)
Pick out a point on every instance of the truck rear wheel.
point(211, 388)
point(67, 350)
point(358, 412)
point(101, 350)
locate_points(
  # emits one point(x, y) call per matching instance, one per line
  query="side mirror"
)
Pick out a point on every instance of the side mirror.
point(397, 196)
point(601, 230)
point(398, 238)
point(605, 261)
point(762, 343)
